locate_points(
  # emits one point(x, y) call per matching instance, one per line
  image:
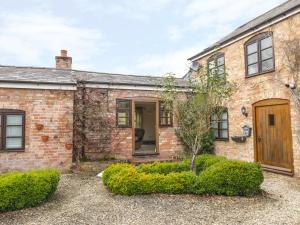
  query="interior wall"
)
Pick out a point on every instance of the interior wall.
point(148, 120)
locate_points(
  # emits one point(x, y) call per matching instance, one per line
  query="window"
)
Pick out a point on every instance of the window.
point(165, 117)
point(12, 129)
point(219, 123)
point(123, 113)
point(259, 54)
point(216, 64)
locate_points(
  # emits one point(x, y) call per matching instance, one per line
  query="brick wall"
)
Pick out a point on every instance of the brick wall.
point(53, 109)
point(254, 89)
point(121, 144)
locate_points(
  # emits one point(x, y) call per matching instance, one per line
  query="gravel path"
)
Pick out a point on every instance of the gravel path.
point(82, 199)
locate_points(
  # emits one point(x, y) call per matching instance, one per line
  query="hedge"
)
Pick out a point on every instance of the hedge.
point(19, 190)
point(230, 177)
point(215, 175)
point(207, 160)
point(164, 167)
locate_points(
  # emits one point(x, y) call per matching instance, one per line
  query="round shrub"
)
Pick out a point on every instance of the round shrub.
point(19, 190)
point(114, 169)
point(230, 177)
point(164, 167)
point(205, 161)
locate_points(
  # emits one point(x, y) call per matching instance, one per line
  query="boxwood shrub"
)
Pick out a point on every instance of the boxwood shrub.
point(207, 160)
point(230, 177)
point(215, 175)
point(131, 182)
point(164, 167)
point(19, 190)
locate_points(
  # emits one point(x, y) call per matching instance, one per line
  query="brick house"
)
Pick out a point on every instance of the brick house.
point(37, 112)
point(252, 56)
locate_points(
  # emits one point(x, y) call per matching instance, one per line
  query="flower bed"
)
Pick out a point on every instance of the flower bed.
point(216, 175)
point(19, 190)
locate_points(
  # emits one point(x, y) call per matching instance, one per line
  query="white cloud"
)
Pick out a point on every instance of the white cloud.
point(30, 38)
point(216, 16)
point(203, 14)
point(175, 62)
point(175, 33)
point(135, 9)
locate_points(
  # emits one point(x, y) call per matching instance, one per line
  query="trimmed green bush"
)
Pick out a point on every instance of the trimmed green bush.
point(131, 182)
point(164, 167)
point(207, 160)
point(19, 190)
point(114, 169)
point(230, 177)
point(217, 175)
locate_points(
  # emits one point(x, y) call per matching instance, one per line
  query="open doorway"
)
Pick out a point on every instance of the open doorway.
point(145, 128)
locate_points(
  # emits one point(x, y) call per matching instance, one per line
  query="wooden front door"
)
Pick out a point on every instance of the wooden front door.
point(273, 137)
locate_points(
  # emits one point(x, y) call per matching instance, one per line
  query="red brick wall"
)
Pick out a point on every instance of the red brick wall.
point(53, 109)
point(121, 146)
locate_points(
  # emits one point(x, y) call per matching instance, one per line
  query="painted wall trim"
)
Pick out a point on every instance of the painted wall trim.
point(37, 86)
point(131, 87)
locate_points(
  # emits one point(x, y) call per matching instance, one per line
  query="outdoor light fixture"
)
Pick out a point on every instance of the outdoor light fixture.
point(244, 111)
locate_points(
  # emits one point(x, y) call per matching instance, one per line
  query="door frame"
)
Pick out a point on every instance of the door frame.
point(272, 102)
point(133, 119)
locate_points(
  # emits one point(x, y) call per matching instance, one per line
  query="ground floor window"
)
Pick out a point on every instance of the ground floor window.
point(165, 116)
point(123, 113)
point(12, 129)
point(220, 125)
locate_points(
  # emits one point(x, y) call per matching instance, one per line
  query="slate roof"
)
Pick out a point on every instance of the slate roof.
point(273, 14)
point(43, 75)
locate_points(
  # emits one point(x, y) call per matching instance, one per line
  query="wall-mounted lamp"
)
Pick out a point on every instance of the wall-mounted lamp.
point(244, 111)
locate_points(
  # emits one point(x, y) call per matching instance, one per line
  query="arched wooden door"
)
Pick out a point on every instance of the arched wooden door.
point(273, 136)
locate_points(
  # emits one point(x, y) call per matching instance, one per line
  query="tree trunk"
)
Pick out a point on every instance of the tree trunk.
point(193, 166)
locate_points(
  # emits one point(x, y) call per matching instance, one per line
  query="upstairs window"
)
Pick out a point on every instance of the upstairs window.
point(165, 116)
point(259, 54)
point(216, 65)
point(12, 130)
point(219, 124)
point(123, 113)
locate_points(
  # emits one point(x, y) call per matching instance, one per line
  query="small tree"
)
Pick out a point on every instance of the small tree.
point(208, 93)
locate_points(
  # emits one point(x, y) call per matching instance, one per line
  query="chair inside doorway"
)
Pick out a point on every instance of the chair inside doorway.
point(145, 129)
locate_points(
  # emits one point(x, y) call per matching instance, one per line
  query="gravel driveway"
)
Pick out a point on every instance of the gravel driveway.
point(82, 199)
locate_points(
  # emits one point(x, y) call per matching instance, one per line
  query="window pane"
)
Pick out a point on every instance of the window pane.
point(216, 134)
point(122, 114)
point(214, 124)
point(267, 42)
point(123, 104)
point(123, 121)
point(13, 143)
point(214, 117)
point(14, 119)
point(221, 70)
point(224, 134)
point(266, 54)
point(221, 61)
point(211, 64)
point(224, 125)
point(224, 116)
point(15, 131)
point(213, 71)
point(253, 69)
point(252, 58)
point(267, 65)
point(252, 48)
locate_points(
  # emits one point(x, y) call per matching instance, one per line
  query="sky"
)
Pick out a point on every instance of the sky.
point(146, 37)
